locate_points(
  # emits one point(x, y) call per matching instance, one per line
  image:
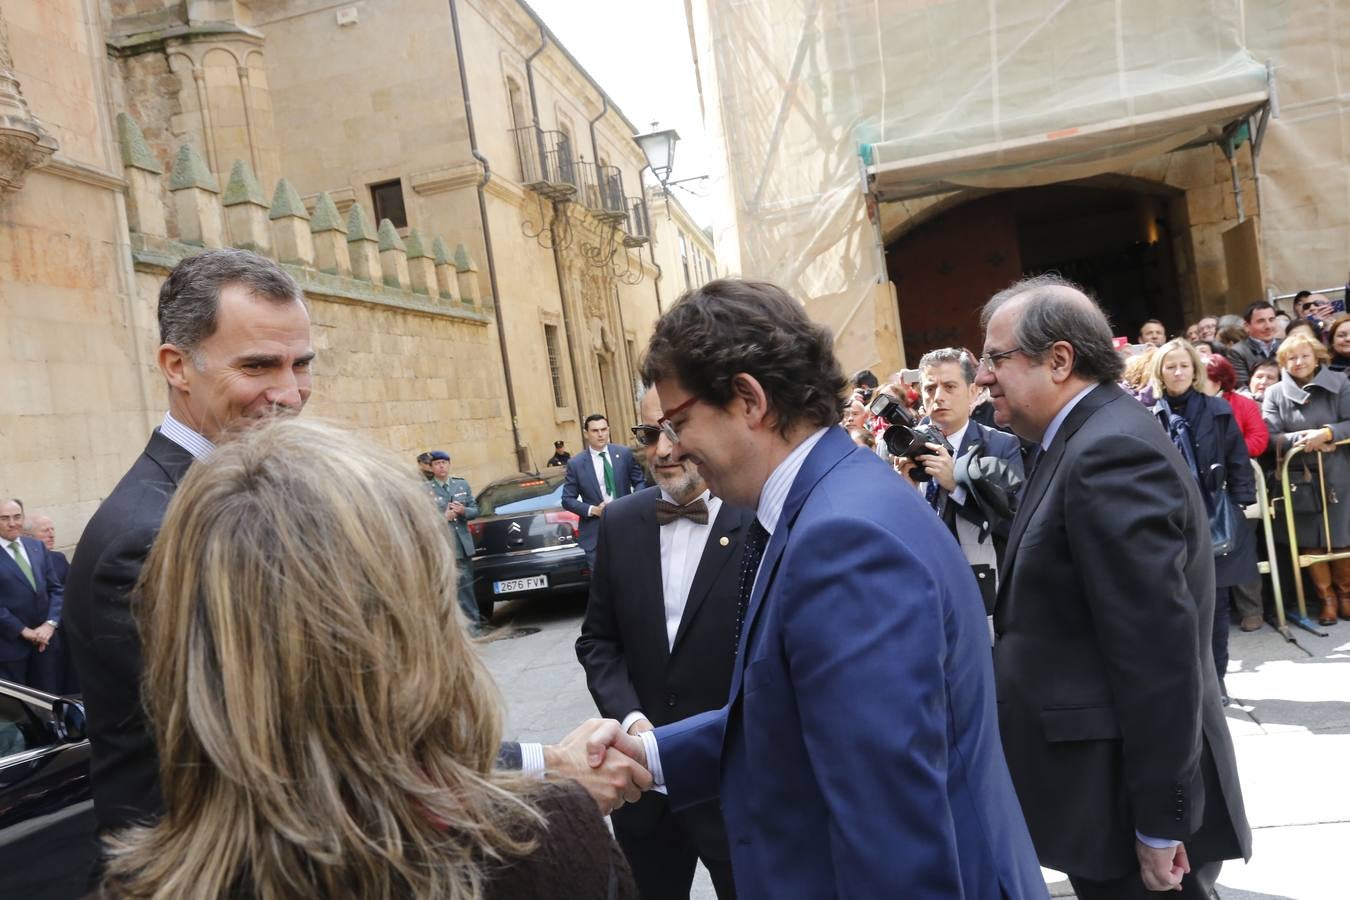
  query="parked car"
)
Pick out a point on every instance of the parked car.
point(47, 827)
point(525, 543)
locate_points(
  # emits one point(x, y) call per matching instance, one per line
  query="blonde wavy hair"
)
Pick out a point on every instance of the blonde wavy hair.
point(323, 726)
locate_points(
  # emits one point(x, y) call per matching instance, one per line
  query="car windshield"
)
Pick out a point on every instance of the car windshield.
point(525, 495)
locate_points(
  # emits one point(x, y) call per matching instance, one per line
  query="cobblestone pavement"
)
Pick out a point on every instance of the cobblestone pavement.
point(1290, 723)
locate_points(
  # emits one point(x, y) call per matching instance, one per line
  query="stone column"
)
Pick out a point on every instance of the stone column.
point(145, 207)
point(446, 279)
point(363, 247)
point(290, 227)
point(421, 268)
point(196, 198)
point(467, 276)
point(331, 254)
point(246, 210)
point(24, 143)
point(393, 256)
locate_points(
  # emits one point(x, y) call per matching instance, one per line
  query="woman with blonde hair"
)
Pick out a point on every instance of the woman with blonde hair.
point(1309, 407)
point(1207, 435)
point(324, 727)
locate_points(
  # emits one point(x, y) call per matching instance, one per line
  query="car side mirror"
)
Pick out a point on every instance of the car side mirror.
point(68, 720)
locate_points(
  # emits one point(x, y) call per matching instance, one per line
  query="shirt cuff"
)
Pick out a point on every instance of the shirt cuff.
point(958, 495)
point(629, 719)
point(532, 759)
point(653, 760)
point(1156, 843)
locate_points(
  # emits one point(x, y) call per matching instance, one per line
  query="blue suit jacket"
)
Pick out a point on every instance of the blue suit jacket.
point(21, 606)
point(581, 489)
point(859, 753)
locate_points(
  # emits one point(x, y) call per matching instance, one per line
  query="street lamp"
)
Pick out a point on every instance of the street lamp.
point(659, 148)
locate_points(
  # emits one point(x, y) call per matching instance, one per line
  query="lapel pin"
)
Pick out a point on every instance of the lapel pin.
point(726, 541)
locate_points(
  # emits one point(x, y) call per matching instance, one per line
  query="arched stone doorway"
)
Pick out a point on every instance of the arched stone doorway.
point(1118, 241)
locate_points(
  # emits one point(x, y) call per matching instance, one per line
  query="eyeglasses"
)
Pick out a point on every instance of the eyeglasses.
point(667, 426)
point(990, 360)
point(646, 435)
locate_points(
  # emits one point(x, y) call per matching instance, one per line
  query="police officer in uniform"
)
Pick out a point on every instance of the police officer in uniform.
point(454, 499)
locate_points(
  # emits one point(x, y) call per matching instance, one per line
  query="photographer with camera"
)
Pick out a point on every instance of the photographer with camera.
point(970, 473)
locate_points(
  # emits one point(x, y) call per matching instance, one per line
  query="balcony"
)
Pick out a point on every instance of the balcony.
point(602, 193)
point(546, 164)
point(638, 231)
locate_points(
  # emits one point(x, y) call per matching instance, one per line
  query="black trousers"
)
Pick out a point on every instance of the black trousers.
point(663, 859)
point(1197, 885)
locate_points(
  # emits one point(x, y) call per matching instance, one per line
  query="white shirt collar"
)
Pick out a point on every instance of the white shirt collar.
point(774, 493)
point(706, 497)
point(1063, 414)
point(957, 436)
point(185, 437)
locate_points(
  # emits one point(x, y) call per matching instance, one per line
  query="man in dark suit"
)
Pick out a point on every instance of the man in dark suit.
point(234, 347)
point(657, 645)
point(858, 752)
point(1260, 343)
point(599, 474)
point(30, 603)
point(972, 481)
point(1108, 701)
point(62, 669)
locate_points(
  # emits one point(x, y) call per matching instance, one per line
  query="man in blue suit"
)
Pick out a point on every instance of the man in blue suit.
point(858, 754)
point(30, 602)
point(600, 473)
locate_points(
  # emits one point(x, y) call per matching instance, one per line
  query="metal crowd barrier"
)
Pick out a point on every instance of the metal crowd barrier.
point(1302, 560)
point(1267, 567)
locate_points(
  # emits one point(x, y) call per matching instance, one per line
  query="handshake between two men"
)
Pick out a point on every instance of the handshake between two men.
point(607, 761)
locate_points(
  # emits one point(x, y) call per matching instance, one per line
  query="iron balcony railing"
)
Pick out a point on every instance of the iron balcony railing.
point(638, 230)
point(546, 163)
point(602, 192)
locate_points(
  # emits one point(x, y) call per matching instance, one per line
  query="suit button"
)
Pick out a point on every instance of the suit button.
point(670, 701)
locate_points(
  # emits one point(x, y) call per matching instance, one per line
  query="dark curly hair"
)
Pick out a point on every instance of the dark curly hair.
point(729, 326)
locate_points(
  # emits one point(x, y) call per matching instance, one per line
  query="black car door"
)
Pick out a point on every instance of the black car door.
point(47, 827)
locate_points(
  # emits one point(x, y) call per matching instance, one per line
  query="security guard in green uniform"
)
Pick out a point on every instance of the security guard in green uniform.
point(454, 499)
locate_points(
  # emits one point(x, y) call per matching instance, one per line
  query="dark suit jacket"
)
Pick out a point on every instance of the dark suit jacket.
point(858, 755)
point(581, 489)
point(24, 605)
point(102, 636)
point(1108, 699)
point(992, 443)
point(623, 647)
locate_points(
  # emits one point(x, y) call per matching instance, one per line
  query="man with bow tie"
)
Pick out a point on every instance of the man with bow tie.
point(658, 643)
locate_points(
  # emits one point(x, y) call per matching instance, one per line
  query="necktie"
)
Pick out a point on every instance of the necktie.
point(930, 492)
point(23, 563)
point(609, 475)
point(753, 552)
point(695, 511)
point(1033, 457)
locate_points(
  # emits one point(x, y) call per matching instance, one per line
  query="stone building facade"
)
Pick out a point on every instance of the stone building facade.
point(477, 283)
point(683, 249)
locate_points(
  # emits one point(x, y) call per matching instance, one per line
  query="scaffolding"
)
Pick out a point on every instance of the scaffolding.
point(831, 109)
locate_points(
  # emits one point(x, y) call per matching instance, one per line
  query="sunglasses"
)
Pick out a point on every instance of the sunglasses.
point(646, 435)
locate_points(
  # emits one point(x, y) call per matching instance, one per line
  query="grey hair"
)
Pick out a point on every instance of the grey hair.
point(190, 296)
point(950, 355)
point(1053, 313)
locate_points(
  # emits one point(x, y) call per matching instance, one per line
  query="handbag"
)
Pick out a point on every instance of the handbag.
point(1225, 518)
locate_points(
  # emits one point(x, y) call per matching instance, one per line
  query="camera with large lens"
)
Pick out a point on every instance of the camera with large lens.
point(904, 436)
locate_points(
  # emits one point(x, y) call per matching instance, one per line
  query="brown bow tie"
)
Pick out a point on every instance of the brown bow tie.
point(695, 511)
